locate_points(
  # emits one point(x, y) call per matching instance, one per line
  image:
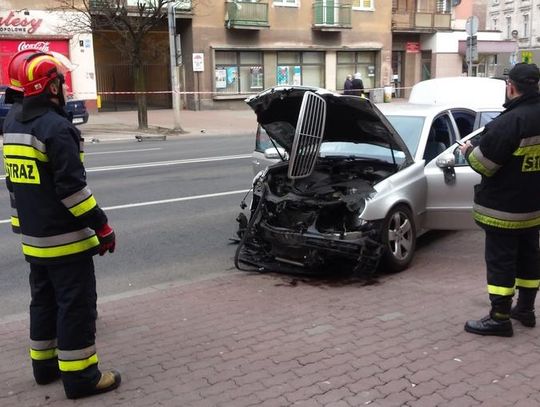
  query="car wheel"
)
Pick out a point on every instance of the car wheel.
point(399, 239)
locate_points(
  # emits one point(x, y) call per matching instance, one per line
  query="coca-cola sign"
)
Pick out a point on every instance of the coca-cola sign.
point(39, 45)
point(18, 25)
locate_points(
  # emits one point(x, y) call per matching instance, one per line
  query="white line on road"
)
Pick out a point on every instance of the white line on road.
point(164, 201)
point(122, 151)
point(163, 163)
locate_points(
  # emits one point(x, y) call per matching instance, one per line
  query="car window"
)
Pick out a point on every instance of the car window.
point(486, 117)
point(464, 122)
point(460, 159)
point(409, 128)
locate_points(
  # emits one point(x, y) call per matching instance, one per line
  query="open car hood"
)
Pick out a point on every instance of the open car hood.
point(348, 118)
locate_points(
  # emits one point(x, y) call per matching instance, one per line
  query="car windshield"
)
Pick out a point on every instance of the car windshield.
point(360, 150)
point(409, 128)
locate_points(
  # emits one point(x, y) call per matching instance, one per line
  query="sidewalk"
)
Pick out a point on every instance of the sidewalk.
point(249, 339)
point(116, 126)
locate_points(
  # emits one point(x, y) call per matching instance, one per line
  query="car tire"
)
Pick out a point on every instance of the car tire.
point(399, 239)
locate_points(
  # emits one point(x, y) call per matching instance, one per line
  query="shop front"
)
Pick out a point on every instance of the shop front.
point(47, 32)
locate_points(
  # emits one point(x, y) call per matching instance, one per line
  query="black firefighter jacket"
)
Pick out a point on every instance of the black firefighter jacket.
point(56, 211)
point(508, 158)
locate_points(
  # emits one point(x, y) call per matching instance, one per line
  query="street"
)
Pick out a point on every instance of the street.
point(172, 204)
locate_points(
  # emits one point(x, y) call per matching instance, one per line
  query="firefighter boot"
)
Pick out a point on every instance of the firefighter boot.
point(497, 323)
point(108, 381)
point(524, 309)
point(46, 371)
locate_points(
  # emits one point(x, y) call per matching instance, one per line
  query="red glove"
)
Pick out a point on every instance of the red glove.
point(107, 239)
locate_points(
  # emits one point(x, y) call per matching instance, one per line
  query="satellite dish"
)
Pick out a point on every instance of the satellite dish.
point(514, 33)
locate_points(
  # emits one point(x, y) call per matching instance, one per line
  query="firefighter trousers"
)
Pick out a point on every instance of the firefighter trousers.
point(512, 260)
point(63, 322)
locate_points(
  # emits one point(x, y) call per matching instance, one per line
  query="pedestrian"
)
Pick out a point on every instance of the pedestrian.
point(347, 86)
point(507, 204)
point(61, 226)
point(357, 85)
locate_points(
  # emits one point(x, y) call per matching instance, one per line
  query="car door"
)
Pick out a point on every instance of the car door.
point(450, 190)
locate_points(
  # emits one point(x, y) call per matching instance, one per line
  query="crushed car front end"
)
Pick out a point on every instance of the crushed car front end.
point(306, 212)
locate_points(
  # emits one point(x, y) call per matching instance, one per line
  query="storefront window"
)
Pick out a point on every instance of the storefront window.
point(238, 72)
point(300, 68)
point(350, 62)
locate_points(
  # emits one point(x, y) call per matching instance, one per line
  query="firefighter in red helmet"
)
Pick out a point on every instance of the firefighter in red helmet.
point(61, 227)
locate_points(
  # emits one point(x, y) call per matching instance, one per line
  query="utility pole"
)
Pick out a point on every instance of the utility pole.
point(175, 81)
point(472, 49)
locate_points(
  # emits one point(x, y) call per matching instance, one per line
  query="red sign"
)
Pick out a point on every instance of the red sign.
point(17, 25)
point(8, 48)
point(413, 47)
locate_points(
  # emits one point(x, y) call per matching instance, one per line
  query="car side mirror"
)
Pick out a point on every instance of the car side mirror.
point(446, 161)
point(273, 153)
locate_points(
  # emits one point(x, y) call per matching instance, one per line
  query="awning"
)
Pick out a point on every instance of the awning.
point(489, 47)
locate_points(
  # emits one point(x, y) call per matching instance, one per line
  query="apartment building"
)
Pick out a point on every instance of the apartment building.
point(518, 21)
point(245, 46)
point(29, 24)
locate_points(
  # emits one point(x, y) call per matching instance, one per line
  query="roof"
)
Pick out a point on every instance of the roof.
point(473, 92)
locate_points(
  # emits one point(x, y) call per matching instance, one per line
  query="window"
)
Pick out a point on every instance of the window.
point(363, 4)
point(239, 72)
point(508, 27)
point(300, 68)
point(363, 62)
point(525, 25)
point(289, 3)
point(494, 24)
point(443, 6)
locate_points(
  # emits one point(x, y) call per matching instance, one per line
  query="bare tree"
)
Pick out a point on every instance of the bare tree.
point(130, 22)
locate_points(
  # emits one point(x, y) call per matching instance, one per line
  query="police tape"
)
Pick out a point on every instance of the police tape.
point(165, 92)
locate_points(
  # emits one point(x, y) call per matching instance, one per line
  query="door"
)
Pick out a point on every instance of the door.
point(329, 12)
point(450, 191)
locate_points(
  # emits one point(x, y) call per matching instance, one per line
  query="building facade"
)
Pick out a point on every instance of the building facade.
point(27, 24)
point(518, 21)
point(231, 49)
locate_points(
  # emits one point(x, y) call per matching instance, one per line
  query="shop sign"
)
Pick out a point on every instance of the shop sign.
point(413, 47)
point(198, 62)
point(10, 24)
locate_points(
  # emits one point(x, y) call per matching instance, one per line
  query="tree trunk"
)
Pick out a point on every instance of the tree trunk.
point(140, 88)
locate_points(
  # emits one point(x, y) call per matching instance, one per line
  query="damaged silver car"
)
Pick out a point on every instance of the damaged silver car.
point(348, 196)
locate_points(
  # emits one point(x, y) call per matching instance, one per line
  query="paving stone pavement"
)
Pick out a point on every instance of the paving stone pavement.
point(250, 339)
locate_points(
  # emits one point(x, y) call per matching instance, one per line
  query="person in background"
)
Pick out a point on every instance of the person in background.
point(357, 85)
point(507, 204)
point(347, 86)
point(61, 227)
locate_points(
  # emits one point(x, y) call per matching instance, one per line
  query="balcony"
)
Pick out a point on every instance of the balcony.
point(410, 21)
point(246, 15)
point(331, 16)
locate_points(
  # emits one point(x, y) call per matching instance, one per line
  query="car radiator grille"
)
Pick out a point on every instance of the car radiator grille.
point(308, 136)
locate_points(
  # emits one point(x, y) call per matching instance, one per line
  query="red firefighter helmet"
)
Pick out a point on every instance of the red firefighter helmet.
point(14, 67)
point(38, 70)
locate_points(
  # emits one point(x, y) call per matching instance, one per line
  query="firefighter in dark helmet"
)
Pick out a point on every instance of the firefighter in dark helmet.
point(61, 227)
point(507, 204)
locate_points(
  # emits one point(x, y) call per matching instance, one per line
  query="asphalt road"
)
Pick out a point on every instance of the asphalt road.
point(172, 204)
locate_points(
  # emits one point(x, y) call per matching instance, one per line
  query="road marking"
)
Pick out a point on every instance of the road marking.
point(162, 163)
point(122, 151)
point(164, 201)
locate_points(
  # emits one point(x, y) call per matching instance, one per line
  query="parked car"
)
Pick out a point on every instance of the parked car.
point(358, 187)
point(76, 109)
